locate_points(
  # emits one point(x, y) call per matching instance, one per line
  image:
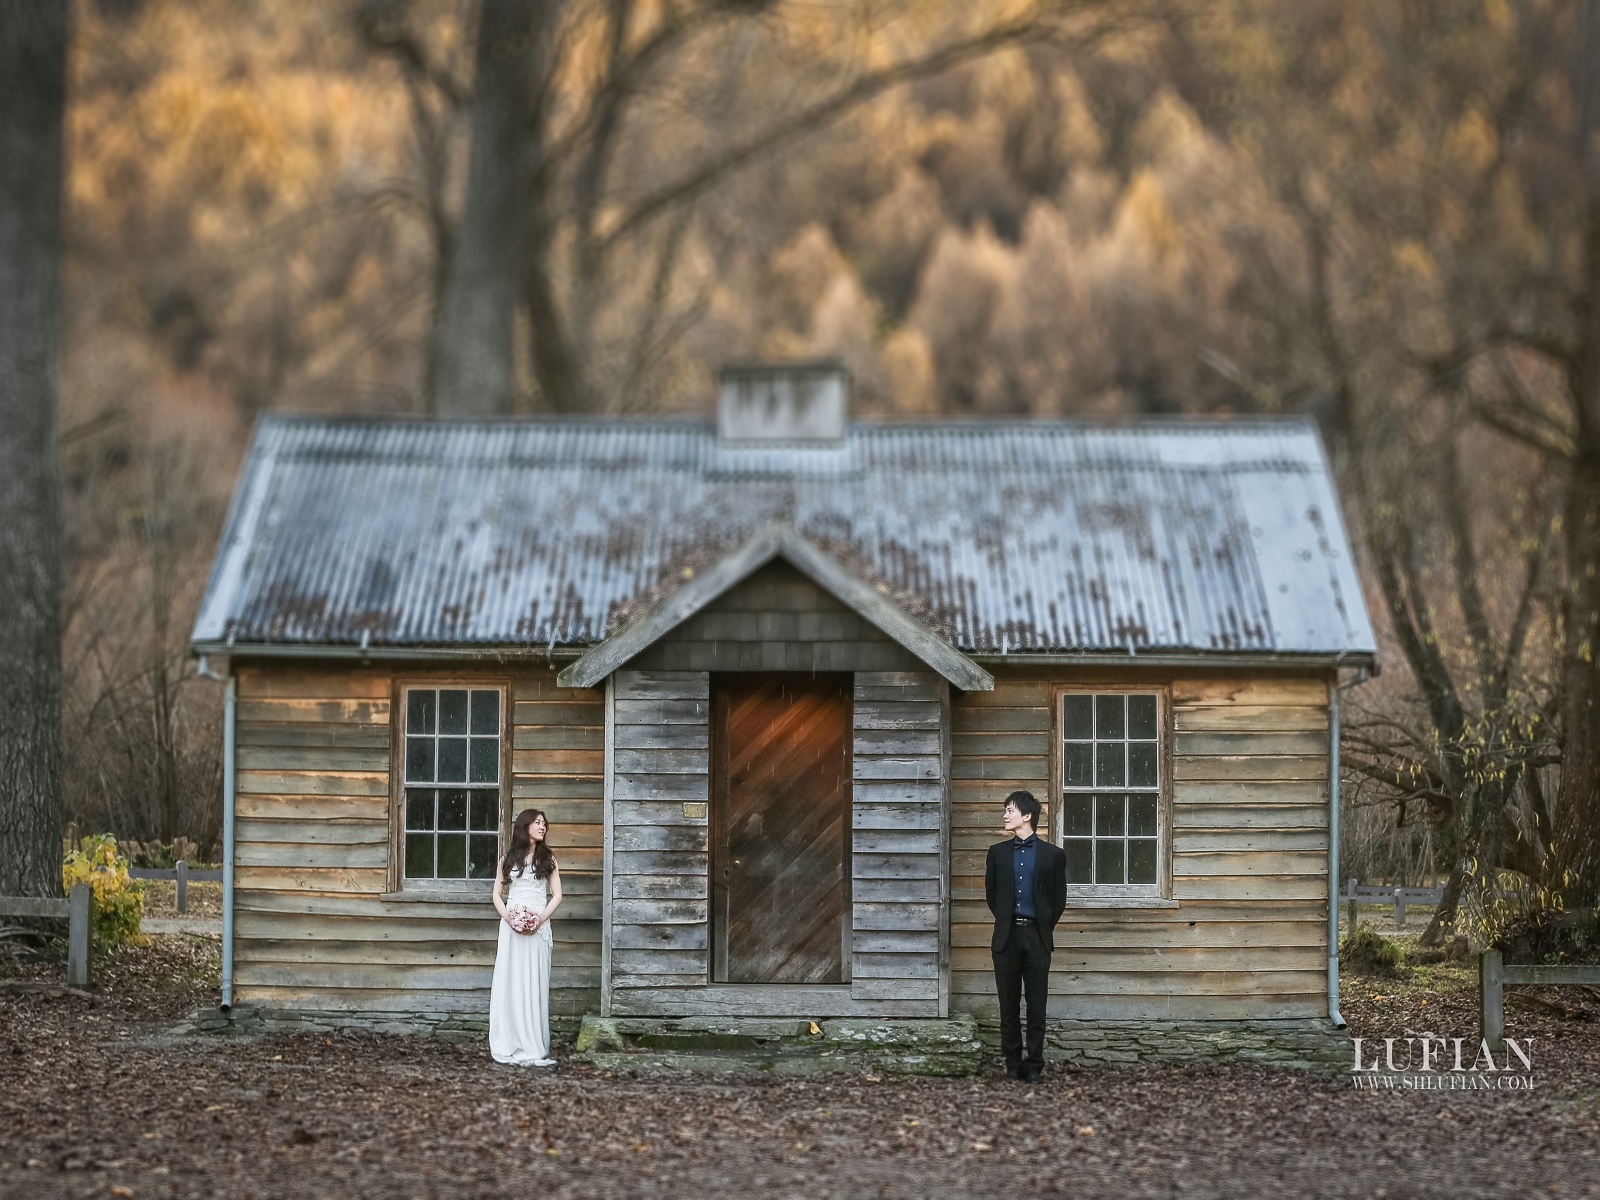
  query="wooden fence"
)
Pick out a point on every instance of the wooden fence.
point(179, 872)
point(76, 909)
point(1402, 896)
point(1493, 977)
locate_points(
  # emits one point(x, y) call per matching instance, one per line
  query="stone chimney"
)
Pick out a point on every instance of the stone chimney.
point(803, 401)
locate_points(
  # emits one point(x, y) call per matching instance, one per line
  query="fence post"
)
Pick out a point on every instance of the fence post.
point(1355, 918)
point(78, 935)
point(181, 868)
point(1491, 999)
point(1350, 888)
point(1400, 908)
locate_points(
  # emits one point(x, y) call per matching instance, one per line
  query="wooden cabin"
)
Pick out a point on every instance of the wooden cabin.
point(771, 676)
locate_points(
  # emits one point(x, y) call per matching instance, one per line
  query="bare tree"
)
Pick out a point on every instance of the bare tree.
point(33, 61)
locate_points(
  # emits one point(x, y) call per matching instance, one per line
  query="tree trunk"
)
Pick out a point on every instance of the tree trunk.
point(474, 364)
point(1444, 916)
point(33, 69)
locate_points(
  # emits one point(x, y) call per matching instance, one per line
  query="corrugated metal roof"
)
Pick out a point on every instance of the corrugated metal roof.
point(1006, 536)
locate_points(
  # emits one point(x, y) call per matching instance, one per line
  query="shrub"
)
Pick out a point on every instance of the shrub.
point(118, 899)
point(1365, 950)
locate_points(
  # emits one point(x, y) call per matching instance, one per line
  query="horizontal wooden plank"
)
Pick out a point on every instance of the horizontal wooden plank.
point(867, 815)
point(658, 862)
point(558, 737)
point(654, 911)
point(662, 685)
point(662, 762)
point(1258, 689)
point(896, 792)
point(1030, 773)
point(559, 712)
point(1224, 841)
point(1202, 962)
point(300, 854)
point(895, 865)
point(1248, 862)
point(896, 741)
point(1065, 982)
point(558, 762)
point(311, 879)
point(572, 993)
point(313, 758)
point(893, 966)
point(1253, 767)
point(1242, 743)
point(1228, 910)
point(895, 989)
point(659, 887)
point(312, 808)
point(887, 714)
point(1251, 887)
point(539, 683)
point(483, 926)
point(1251, 718)
point(894, 916)
point(894, 941)
point(660, 787)
point(659, 837)
point(314, 783)
point(966, 744)
point(894, 841)
point(806, 1002)
point(664, 737)
point(895, 890)
point(392, 976)
point(919, 767)
point(1010, 691)
point(1247, 791)
point(663, 712)
point(317, 832)
point(1079, 930)
point(653, 812)
point(312, 683)
point(532, 788)
point(307, 733)
point(349, 712)
point(1249, 817)
point(660, 937)
point(658, 962)
point(999, 720)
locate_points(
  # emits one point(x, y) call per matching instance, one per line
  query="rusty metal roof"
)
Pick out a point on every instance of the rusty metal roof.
point(1012, 536)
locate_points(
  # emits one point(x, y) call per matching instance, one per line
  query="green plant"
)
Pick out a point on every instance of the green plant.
point(118, 899)
point(1366, 951)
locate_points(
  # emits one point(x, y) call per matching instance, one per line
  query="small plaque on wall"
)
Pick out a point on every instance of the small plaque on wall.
point(695, 808)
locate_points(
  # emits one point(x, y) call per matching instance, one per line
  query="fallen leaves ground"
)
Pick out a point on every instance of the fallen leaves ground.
point(98, 1098)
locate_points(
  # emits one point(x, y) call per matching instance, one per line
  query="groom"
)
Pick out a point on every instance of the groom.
point(1025, 882)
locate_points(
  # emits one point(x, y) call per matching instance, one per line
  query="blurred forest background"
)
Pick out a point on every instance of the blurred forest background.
point(1382, 213)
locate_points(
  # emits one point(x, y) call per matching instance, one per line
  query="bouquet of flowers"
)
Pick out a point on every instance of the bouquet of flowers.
point(521, 917)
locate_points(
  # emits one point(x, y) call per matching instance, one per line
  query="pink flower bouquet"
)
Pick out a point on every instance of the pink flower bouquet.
point(521, 918)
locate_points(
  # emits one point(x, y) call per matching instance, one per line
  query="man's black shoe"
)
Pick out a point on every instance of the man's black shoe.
point(1014, 1073)
point(1032, 1075)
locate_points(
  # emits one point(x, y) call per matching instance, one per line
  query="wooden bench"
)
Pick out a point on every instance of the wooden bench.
point(75, 908)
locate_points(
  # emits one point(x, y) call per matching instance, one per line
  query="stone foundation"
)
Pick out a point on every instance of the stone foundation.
point(252, 1020)
point(1313, 1044)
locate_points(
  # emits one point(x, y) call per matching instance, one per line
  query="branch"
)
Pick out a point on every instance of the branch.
point(826, 112)
point(383, 33)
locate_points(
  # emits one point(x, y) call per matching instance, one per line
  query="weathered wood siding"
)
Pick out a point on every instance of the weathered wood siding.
point(776, 620)
point(660, 882)
point(898, 823)
point(312, 927)
point(1249, 849)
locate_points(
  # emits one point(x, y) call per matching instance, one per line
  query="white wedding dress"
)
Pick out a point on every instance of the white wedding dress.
point(519, 997)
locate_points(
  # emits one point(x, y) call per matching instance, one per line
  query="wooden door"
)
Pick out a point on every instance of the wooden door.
point(780, 783)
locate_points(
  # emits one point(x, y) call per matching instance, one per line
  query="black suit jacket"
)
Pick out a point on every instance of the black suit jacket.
point(1049, 889)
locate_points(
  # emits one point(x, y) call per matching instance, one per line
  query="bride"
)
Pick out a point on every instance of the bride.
point(519, 998)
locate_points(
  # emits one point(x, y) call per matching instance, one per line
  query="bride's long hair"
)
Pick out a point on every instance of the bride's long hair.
point(543, 861)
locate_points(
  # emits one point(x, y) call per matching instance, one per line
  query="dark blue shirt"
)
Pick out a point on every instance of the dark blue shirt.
point(1022, 852)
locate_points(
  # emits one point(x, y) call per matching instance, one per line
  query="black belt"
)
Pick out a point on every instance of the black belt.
point(1023, 920)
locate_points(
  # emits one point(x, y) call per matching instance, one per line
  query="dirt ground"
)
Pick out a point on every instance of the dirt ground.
point(99, 1098)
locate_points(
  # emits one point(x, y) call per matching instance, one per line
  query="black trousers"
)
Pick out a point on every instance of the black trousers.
point(1024, 963)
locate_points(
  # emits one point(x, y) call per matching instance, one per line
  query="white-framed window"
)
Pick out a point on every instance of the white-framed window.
point(1112, 814)
point(452, 782)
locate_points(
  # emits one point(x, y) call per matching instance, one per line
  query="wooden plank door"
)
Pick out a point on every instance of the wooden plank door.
point(780, 789)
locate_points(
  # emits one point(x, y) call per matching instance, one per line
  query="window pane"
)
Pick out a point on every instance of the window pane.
point(1107, 861)
point(1080, 860)
point(483, 853)
point(1141, 860)
point(419, 759)
point(485, 810)
point(421, 707)
point(1108, 716)
point(1142, 717)
point(419, 856)
point(452, 760)
point(1076, 815)
point(1110, 769)
point(485, 760)
point(1141, 764)
point(1141, 816)
point(452, 856)
point(1077, 716)
point(419, 809)
point(452, 809)
point(452, 711)
point(485, 712)
point(1080, 764)
point(1108, 816)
